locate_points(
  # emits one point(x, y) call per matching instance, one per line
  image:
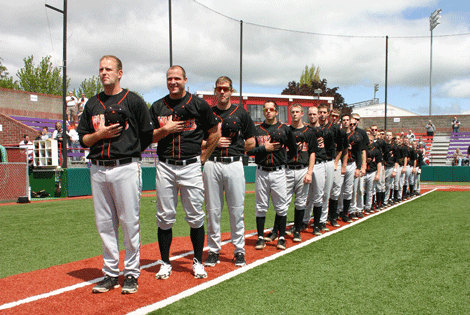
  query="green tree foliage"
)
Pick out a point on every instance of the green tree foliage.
point(44, 78)
point(90, 87)
point(295, 88)
point(6, 81)
point(309, 75)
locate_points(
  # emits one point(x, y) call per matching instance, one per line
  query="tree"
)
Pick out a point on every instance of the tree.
point(44, 78)
point(309, 75)
point(6, 81)
point(90, 87)
point(295, 88)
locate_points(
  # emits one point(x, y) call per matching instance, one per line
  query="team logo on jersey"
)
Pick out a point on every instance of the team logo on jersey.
point(98, 121)
point(262, 140)
point(189, 124)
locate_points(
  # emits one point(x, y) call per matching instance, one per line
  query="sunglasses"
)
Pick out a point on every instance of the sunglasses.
point(222, 89)
point(374, 129)
point(269, 110)
point(353, 124)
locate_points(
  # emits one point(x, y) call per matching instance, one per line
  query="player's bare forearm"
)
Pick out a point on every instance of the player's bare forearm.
point(211, 142)
point(250, 143)
point(379, 169)
point(344, 162)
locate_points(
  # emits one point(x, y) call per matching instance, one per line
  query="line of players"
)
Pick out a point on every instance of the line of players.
point(328, 165)
point(338, 171)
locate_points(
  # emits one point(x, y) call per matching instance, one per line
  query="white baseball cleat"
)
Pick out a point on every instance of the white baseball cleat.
point(198, 270)
point(165, 271)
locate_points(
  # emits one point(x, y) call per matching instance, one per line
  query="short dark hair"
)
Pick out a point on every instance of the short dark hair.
point(224, 79)
point(271, 101)
point(324, 105)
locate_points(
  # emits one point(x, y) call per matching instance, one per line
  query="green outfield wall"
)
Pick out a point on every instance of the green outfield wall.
point(76, 181)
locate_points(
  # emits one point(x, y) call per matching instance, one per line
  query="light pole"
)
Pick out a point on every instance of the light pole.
point(64, 81)
point(433, 22)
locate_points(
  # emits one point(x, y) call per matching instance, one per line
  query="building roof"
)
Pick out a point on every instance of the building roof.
point(378, 110)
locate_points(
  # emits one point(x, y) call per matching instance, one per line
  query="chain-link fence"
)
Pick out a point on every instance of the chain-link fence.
point(14, 178)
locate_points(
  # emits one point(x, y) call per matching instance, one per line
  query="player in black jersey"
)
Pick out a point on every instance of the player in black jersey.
point(274, 143)
point(182, 120)
point(300, 167)
point(374, 168)
point(391, 156)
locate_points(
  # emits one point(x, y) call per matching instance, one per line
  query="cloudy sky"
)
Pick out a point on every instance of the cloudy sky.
point(346, 39)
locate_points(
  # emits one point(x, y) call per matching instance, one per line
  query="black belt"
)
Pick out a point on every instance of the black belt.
point(225, 159)
point(113, 162)
point(329, 159)
point(270, 168)
point(179, 162)
point(296, 167)
point(319, 161)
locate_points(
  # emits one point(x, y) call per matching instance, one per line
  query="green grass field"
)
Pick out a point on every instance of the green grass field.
point(413, 259)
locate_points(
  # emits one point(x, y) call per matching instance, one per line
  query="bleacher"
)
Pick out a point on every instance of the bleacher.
point(459, 141)
point(36, 123)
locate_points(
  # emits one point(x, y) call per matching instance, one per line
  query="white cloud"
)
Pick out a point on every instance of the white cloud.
point(458, 88)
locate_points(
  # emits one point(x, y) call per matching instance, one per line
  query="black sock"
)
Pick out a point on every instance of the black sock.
point(276, 226)
point(260, 225)
point(332, 209)
point(298, 218)
point(197, 238)
point(346, 205)
point(316, 216)
point(164, 242)
point(282, 225)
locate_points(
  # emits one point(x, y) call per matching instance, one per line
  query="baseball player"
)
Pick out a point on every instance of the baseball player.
point(336, 146)
point(373, 169)
point(390, 165)
point(315, 194)
point(116, 126)
point(272, 140)
point(380, 144)
point(353, 167)
point(357, 203)
point(420, 151)
point(181, 120)
point(410, 169)
point(299, 170)
point(402, 162)
point(224, 172)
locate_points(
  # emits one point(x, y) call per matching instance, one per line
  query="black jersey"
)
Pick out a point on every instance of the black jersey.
point(242, 129)
point(198, 117)
point(306, 145)
point(374, 157)
point(412, 156)
point(275, 158)
point(135, 136)
point(389, 156)
point(356, 144)
point(333, 139)
point(320, 155)
point(420, 154)
point(403, 154)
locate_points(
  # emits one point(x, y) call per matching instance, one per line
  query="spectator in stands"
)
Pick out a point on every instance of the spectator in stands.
point(430, 129)
point(73, 141)
point(455, 125)
point(410, 135)
point(72, 103)
point(81, 105)
point(58, 132)
point(43, 135)
point(457, 158)
point(421, 143)
point(27, 144)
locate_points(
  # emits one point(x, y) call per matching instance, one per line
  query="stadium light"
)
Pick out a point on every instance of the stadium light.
point(433, 22)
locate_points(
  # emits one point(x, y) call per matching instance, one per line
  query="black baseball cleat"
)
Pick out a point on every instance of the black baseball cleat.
point(272, 236)
point(260, 244)
point(281, 243)
point(130, 285)
point(316, 230)
point(334, 223)
point(239, 260)
point(323, 227)
point(106, 284)
point(212, 260)
point(297, 238)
